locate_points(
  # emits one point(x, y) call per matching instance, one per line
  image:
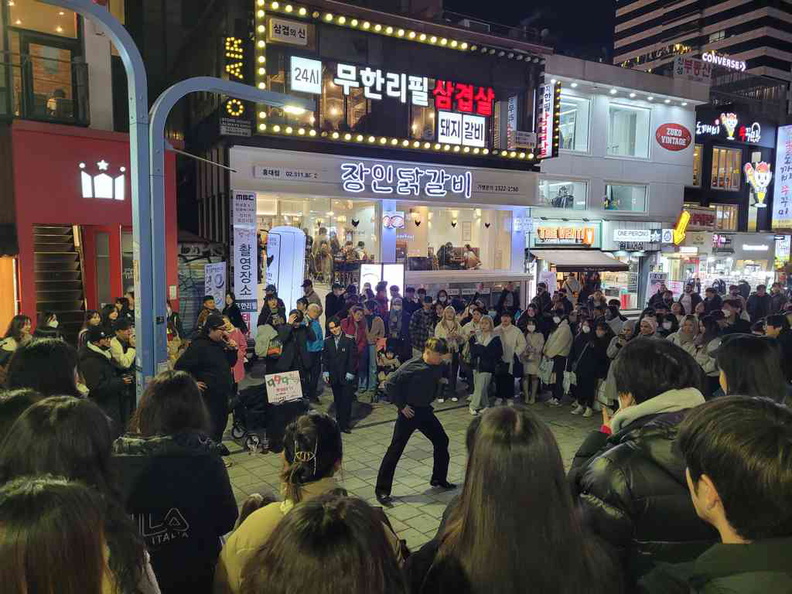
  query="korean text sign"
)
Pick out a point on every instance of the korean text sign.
point(283, 387)
point(782, 196)
point(357, 177)
point(243, 209)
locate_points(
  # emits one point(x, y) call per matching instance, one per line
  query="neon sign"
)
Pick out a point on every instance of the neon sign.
point(234, 56)
point(103, 185)
point(759, 177)
point(729, 123)
point(375, 83)
point(724, 61)
point(434, 182)
point(463, 97)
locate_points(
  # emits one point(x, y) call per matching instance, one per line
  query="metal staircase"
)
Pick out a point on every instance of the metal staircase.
point(59, 276)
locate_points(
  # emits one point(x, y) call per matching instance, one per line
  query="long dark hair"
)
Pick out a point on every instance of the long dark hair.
point(70, 437)
point(172, 403)
point(15, 326)
point(711, 330)
point(331, 544)
point(90, 313)
point(12, 404)
point(753, 366)
point(46, 365)
point(311, 450)
point(106, 311)
point(517, 499)
point(51, 537)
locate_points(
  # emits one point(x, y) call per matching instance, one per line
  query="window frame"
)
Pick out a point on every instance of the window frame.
point(716, 165)
point(562, 180)
point(589, 101)
point(646, 187)
point(638, 109)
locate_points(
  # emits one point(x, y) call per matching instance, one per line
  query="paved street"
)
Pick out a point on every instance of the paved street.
point(417, 508)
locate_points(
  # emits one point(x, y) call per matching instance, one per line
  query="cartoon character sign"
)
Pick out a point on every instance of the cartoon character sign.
point(729, 121)
point(759, 177)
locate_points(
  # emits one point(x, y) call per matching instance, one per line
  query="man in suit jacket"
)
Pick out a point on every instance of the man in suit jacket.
point(339, 371)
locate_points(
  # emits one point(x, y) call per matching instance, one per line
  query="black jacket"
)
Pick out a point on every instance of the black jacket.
point(543, 302)
point(740, 326)
point(656, 300)
point(235, 315)
point(209, 362)
point(759, 306)
point(333, 305)
point(103, 379)
point(486, 358)
point(632, 492)
point(177, 489)
point(414, 383)
point(269, 317)
point(46, 332)
point(175, 325)
point(714, 304)
point(339, 361)
point(294, 356)
point(761, 567)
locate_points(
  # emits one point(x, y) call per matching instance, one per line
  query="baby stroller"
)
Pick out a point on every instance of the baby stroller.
point(249, 410)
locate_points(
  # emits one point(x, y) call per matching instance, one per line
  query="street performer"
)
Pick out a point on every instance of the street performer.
point(412, 388)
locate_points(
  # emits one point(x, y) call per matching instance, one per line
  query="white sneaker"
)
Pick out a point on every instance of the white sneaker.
point(511, 402)
point(498, 401)
point(531, 399)
point(473, 411)
point(454, 399)
point(441, 400)
point(577, 409)
point(588, 412)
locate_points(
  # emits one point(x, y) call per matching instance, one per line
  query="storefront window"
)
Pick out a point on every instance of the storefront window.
point(726, 169)
point(628, 131)
point(624, 197)
point(555, 193)
point(697, 152)
point(574, 123)
point(422, 124)
point(454, 238)
point(726, 217)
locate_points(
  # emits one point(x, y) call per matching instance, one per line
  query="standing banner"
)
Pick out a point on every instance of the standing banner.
point(283, 387)
point(215, 282)
point(245, 263)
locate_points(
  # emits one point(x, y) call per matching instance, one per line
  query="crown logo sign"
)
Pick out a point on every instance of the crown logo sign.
point(103, 185)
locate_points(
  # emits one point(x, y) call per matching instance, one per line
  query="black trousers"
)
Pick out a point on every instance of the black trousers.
point(427, 423)
point(343, 394)
point(311, 390)
point(504, 385)
point(218, 414)
point(451, 373)
point(559, 365)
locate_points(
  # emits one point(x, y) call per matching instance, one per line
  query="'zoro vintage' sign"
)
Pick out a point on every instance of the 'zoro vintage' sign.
point(673, 137)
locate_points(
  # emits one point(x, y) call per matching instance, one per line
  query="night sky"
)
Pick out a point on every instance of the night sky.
point(574, 28)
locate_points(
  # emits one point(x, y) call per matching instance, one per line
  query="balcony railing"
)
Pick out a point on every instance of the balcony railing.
point(34, 87)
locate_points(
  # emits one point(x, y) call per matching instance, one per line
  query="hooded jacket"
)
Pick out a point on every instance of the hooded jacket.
point(177, 489)
point(631, 486)
point(102, 378)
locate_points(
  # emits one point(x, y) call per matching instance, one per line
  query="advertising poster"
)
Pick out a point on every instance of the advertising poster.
point(782, 196)
point(245, 263)
point(283, 387)
point(215, 282)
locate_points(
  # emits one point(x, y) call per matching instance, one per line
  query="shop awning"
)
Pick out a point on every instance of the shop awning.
point(571, 260)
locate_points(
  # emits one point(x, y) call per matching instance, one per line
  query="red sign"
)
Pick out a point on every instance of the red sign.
point(463, 97)
point(673, 137)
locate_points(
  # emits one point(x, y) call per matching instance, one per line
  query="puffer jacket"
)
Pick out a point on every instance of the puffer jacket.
point(632, 491)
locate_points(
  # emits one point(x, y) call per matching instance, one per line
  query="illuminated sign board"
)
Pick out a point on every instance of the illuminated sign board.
point(288, 31)
point(759, 178)
point(433, 182)
point(681, 227)
point(375, 84)
point(673, 137)
point(464, 129)
point(306, 75)
point(782, 194)
point(463, 97)
point(729, 123)
point(724, 61)
point(565, 234)
point(234, 57)
point(103, 185)
point(548, 95)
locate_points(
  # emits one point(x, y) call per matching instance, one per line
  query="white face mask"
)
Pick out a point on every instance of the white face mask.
point(585, 329)
point(667, 325)
point(492, 313)
point(53, 324)
point(556, 319)
point(726, 313)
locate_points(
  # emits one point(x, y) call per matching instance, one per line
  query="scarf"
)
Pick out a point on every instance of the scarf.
point(667, 402)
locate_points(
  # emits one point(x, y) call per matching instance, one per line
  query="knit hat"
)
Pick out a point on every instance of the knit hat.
point(652, 322)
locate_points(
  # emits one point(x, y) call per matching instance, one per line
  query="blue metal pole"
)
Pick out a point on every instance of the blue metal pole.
point(144, 277)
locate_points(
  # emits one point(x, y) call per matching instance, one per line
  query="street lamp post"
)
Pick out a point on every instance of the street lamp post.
point(147, 165)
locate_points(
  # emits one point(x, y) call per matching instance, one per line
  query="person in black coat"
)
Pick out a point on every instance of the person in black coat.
point(47, 326)
point(712, 301)
point(295, 336)
point(339, 371)
point(628, 477)
point(234, 314)
point(105, 381)
point(509, 300)
point(542, 300)
point(334, 301)
point(174, 484)
point(175, 327)
point(209, 359)
point(591, 366)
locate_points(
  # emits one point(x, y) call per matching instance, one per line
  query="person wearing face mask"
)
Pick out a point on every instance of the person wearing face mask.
point(689, 299)
point(486, 352)
point(47, 326)
point(591, 367)
point(106, 384)
point(734, 323)
point(513, 343)
point(667, 325)
point(442, 298)
point(557, 350)
point(397, 330)
point(531, 357)
point(531, 314)
point(542, 301)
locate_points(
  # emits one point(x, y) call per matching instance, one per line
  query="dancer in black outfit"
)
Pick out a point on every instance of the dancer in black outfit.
point(412, 388)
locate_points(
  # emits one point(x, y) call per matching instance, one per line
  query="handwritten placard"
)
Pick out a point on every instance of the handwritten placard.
point(283, 387)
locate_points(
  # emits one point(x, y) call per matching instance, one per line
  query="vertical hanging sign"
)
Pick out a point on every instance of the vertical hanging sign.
point(234, 58)
point(545, 121)
point(243, 212)
point(782, 192)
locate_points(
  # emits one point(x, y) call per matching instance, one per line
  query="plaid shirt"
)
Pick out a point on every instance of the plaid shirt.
point(419, 329)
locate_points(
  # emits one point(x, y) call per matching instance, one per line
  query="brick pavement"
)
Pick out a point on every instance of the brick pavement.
point(417, 507)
